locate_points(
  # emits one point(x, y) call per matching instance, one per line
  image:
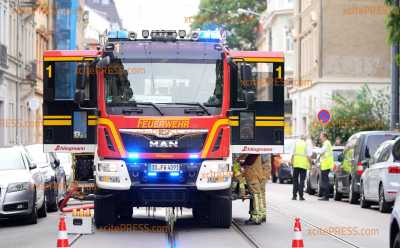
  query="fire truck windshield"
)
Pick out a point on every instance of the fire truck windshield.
point(167, 86)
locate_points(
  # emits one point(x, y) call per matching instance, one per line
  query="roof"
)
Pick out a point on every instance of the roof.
point(71, 53)
point(256, 54)
point(105, 8)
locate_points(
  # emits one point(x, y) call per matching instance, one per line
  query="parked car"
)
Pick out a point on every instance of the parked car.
point(356, 155)
point(53, 173)
point(395, 224)
point(313, 184)
point(66, 164)
point(380, 182)
point(283, 171)
point(21, 186)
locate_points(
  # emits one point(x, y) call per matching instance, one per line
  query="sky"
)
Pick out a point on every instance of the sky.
point(137, 15)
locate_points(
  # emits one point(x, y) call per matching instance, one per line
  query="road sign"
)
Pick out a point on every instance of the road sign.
point(324, 116)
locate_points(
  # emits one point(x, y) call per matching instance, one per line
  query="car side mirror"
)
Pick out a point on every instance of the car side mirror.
point(32, 166)
point(249, 97)
point(79, 96)
point(56, 163)
point(82, 76)
point(340, 158)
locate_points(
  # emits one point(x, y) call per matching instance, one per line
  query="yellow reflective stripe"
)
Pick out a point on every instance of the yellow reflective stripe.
point(66, 58)
point(114, 133)
point(261, 118)
point(270, 123)
point(57, 117)
point(259, 59)
point(234, 123)
point(57, 122)
point(92, 117)
point(211, 135)
point(92, 122)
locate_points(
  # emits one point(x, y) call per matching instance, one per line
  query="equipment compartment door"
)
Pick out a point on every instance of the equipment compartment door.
point(68, 127)
point(257, 105)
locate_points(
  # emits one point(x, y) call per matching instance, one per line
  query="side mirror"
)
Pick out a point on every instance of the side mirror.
point(249, 97)
point(246, 73)
point(82, 76)
point(340, 158)
point(104, 62)
point(32, 166)
point(79, 96)
point(56, 163)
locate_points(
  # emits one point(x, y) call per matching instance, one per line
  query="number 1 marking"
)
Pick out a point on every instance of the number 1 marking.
point(279, 70)
point(48, 69)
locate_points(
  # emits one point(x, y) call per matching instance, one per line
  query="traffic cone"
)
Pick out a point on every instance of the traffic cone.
point(297, 241)
point(62, 240)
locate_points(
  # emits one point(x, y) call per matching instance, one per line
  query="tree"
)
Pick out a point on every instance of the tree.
point(367, 111)
point(393, 23)
point(224, 13)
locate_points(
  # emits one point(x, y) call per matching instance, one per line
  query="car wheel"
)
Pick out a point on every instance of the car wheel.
point(220, 210)
point(337, 196)
point(363, 202)
point(32, 218)
point(384, 206)
point(42, 212)
point(281, 181)
point(126, 212)
point(104, 212)
point(309, 190)
point(274, 179)
point(52, 206)
point(353, 196)
point(396, 243)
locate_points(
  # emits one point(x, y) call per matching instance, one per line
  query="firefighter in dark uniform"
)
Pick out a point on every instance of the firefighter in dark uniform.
point(254, 174)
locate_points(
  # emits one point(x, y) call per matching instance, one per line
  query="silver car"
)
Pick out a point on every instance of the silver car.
point(21, 186)
point(380, 182)
point(395, 224)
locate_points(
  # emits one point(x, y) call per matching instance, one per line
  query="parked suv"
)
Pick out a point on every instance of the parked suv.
point(359, 148)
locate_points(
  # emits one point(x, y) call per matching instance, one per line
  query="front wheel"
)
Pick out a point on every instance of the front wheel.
point(32, 218)
point(309, 190)
point(337, 196)
point(363, 202)
point(396, 243)
point(42, 211)
point(384, 206)
point(319, 191)
point(104, 211)
point(220, 209)
point(353, 196)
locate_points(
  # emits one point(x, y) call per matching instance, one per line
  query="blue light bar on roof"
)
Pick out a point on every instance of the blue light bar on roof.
point(210, 36)
point(120, 34)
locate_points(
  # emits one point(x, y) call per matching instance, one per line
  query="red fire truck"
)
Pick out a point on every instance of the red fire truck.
point(154, 121)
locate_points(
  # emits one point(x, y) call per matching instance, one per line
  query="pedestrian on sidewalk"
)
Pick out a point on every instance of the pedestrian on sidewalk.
point(326, 165)
point(301, 163)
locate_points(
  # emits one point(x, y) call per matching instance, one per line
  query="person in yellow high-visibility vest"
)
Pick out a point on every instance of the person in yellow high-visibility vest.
point(301, 163)
point(326, 165)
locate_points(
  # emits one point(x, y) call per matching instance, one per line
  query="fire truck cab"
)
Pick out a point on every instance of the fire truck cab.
point(154, 121)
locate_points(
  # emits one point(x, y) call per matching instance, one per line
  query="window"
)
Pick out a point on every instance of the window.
point(289, 40)
point(65, 76)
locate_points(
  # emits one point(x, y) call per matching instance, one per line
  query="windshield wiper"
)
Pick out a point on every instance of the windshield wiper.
point(149, 104)
point(205, 110)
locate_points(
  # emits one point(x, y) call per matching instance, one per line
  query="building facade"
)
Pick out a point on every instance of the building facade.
point(340, 46)
point(276, 34)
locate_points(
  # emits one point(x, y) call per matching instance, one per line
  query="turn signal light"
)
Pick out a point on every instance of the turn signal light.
point(394, 170)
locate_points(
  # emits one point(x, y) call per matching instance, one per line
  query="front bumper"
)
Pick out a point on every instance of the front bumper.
point(15, 204)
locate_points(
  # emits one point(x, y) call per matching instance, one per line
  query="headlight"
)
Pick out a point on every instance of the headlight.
point(108, 167)
point(15, 187)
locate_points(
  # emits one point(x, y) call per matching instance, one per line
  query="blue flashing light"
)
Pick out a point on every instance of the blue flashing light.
point(194, 156)
point(174, 174)
point(152, 174)
point(210, 36)
point(133, 155)
point(120, 34)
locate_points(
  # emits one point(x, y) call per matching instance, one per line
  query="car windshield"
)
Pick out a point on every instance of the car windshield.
point(37, 154)
point(11, 159)
point(374, 141)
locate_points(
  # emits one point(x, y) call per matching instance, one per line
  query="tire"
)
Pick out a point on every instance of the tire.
point(396, 243)
point(104, 212)
point(42, 212)
point(220, 210)
point(353, 196)
point(52, 206)
point(274, 179)
point(281, 181)
point(337, 196)
point(384, 206)
point(32, 218)
point(363, 202)
point(200, 213)
point(309, 190)
point(126, 212)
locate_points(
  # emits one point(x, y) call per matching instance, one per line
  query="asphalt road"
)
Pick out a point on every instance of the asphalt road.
point(353, 227)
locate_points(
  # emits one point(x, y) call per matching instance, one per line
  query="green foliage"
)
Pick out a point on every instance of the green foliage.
point(241, 27)
point(367, 111)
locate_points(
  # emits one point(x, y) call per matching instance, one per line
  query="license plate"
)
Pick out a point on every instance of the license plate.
point(164, 167)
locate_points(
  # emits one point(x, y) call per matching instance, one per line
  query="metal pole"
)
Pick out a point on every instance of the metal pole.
point(394, 120)
point(17, 82)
